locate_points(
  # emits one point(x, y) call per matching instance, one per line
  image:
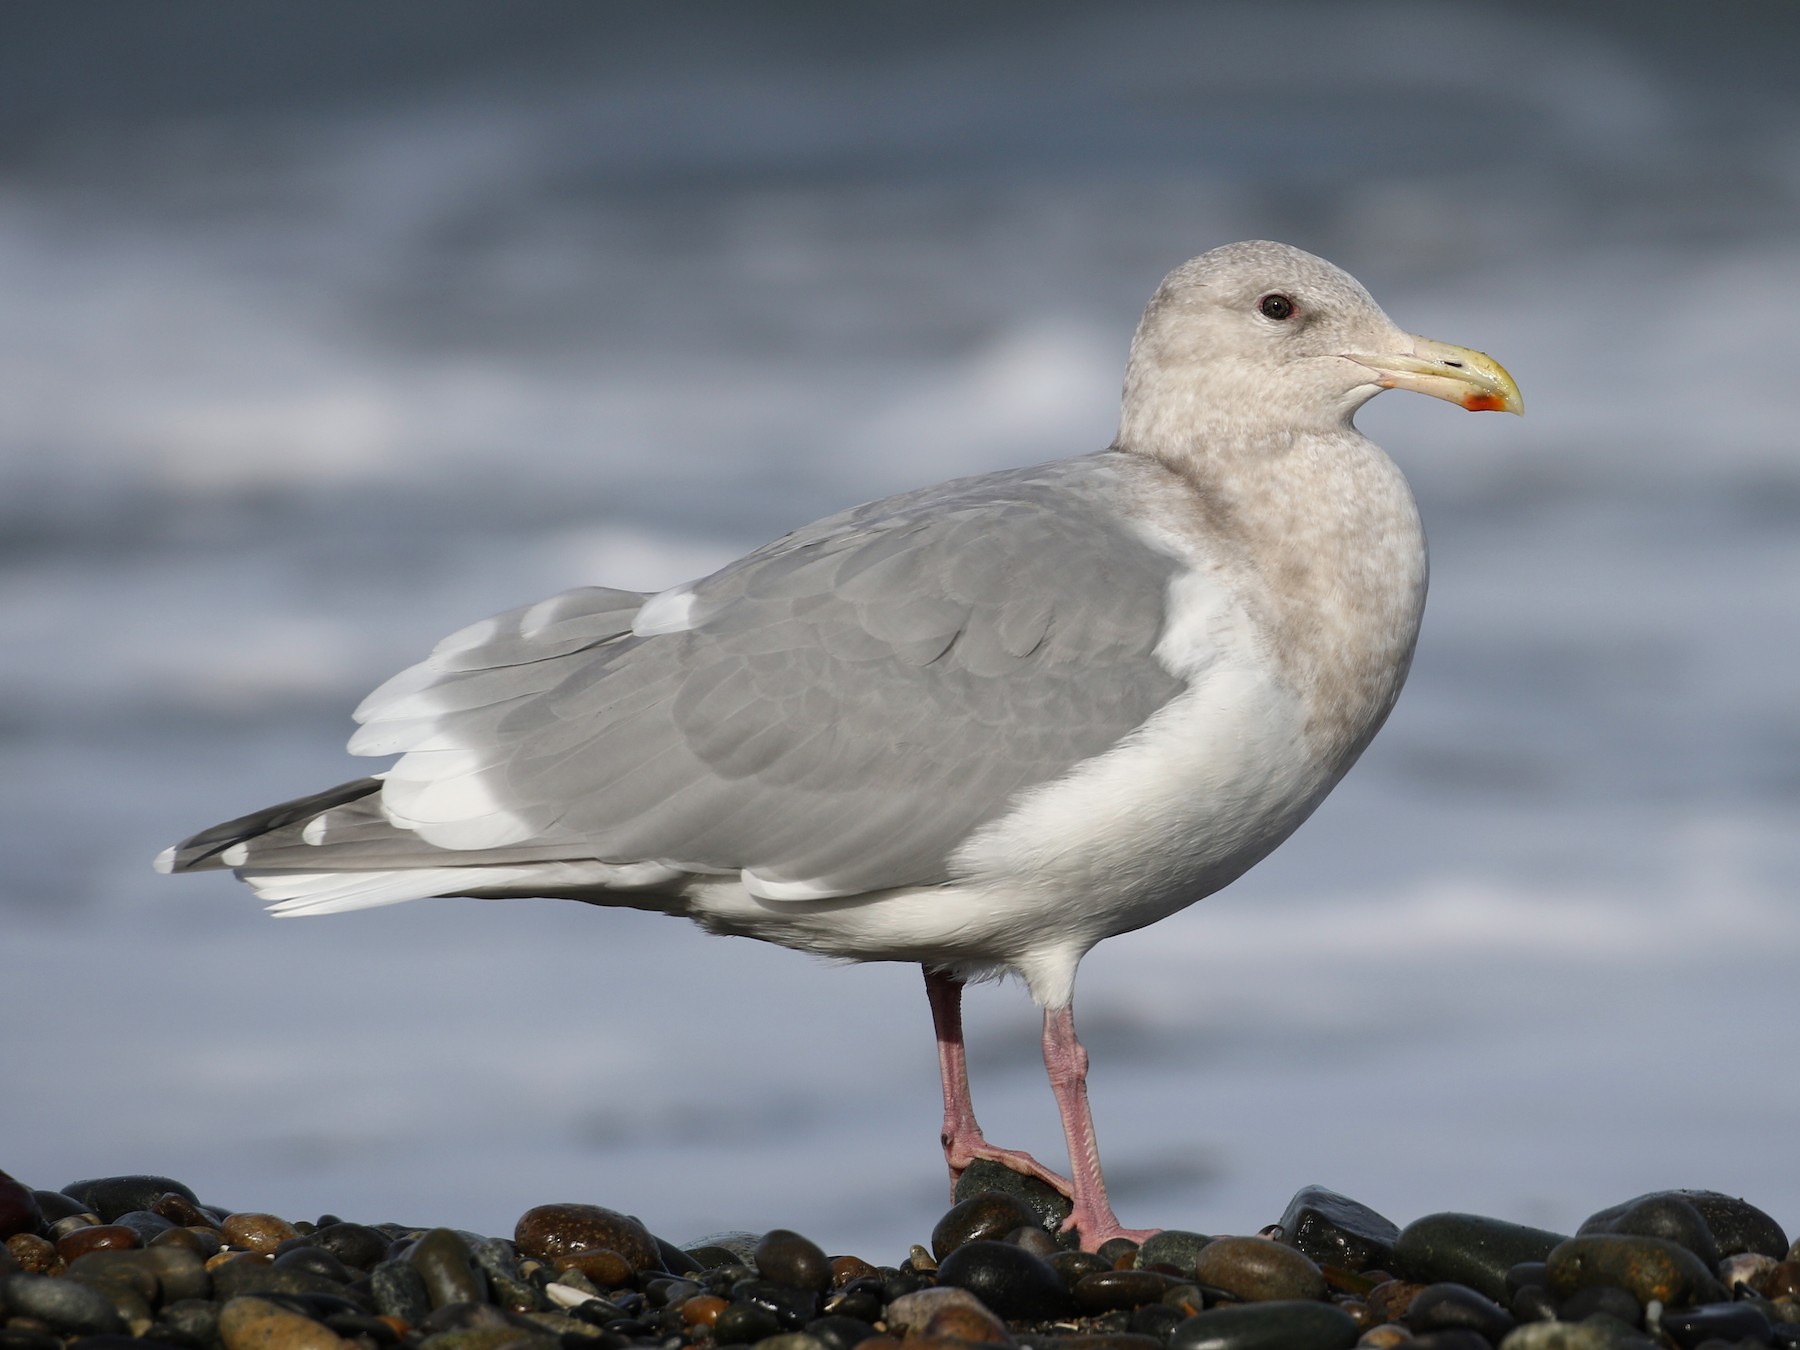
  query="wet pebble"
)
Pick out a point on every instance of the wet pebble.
point(254, 1232)
point(1173, 1247)
point(447, 1267)
point(65, 1305)
point(986, 1216)
point(1049, 1206)
point(1334, 1230)
point(1106, 1290)
point(1729, 1322)
point(1275, 1325)
point(110, 1197)
point(788, 1258)
point(33, 1254)
point(1256, 1269)
point(1448, 1307)
point(96, 1238)
point(20, 1211)
point(257, 1324)
point(398, 1290)
point(1667, 1215)
point(1647, 1267)
point(1009, 1280)
point(1468, 1249)
point(555, 1230)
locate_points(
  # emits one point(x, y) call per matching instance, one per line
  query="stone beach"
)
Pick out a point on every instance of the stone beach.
point(126, 1262)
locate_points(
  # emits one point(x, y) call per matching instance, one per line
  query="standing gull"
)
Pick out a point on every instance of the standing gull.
point(980, 726)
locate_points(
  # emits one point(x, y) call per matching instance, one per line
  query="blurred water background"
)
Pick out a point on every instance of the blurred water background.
point(326, 329)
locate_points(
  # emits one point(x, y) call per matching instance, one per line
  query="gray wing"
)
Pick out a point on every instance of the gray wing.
point(842, 708)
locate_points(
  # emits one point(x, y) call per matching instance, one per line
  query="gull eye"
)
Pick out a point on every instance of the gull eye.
point(1275, 306)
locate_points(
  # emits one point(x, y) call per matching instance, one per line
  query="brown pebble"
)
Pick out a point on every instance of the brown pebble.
point(550, 1231)
point(847, 1268)
point(1391, 1298)
point(253, 1232)
point(702, 1310)
point(1255, 1269)
point(915, 1311)
point(256, 1324)
point(988, 1215)
point(1185, 1299)
point(1648, 1268)
point(35, 1255)
point(880, 1342)
point(605, 1267)
point(965, 1322)
point(188, 1240)
point(99, 1237)
point(1360, 1313)
point(1384, 1337)
point(1781, 1281)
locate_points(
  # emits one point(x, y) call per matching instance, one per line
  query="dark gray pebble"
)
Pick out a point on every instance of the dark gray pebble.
point(354, 1244)
point(1276, 1325)
point(1050, 1206)
point(1527, 1273)
point(986, 1216)
point(315, 1260)
point(1609, 1299)
point(1072, 1266)
point(1665, 1214)
point(398, 1290)
point(1092, 1340)
point(1533, 1303)
point(1468, 1249)
point(1009, 1280)
point(448, 1268)
point(793, 1308)
point(1106, 1290)
point(746, 1323)
point(1450, 1338)
point(1173, 1247)
point(20, 1211)
point(1335, 1230)
point(837, 1332)
point(109, 1197)
point(1733, 1323)
point(236, 1279)
point(118, 1342)
point(69, 1306)
point(1733, 1224)
point(1156, 1320)
point(676, 1261)
point(788, 1258)
point(55, 1205)
point(189, 1321)
point(147, 1224)
point(1448, 1306)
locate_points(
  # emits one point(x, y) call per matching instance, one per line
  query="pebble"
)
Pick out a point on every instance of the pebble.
point(554, 1230)
point(1048, 1205)
point(1008, 1279)
point(1647, 1267)
point(787, 1258)
point(1468, 1249)
point(257, 1324)
point(1334, 1230)
point(1173, 1247)
point(986, 1216)
point(1277, 1325)
point(1447, 1307)
point(1255, 1269)
point(110, 1197)
point(65, 1305)
point(20, 1211)
point(447, 1267)
point(582, 1277)
point(253, 1232)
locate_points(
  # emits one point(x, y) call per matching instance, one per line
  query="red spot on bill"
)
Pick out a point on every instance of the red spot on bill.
point(1484, 403)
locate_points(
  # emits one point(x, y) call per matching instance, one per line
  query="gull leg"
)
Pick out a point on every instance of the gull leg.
point(963, 1140)
point(1066, 1061)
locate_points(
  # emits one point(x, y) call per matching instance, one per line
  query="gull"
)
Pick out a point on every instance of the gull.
point(980, 726)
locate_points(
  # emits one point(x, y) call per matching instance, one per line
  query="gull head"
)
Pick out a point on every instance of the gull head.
point(1261, 338)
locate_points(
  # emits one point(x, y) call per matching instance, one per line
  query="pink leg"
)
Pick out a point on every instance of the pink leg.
point(963, 1140)
point(1067, 1063)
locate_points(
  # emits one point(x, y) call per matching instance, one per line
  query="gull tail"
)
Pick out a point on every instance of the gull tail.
point(336, 850)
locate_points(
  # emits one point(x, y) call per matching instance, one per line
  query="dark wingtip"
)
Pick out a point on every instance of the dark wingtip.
point(200, 852)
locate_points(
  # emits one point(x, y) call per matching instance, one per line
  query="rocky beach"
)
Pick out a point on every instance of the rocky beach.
point(142, 1262)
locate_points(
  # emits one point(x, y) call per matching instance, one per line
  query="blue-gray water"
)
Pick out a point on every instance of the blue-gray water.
point(325, 330)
